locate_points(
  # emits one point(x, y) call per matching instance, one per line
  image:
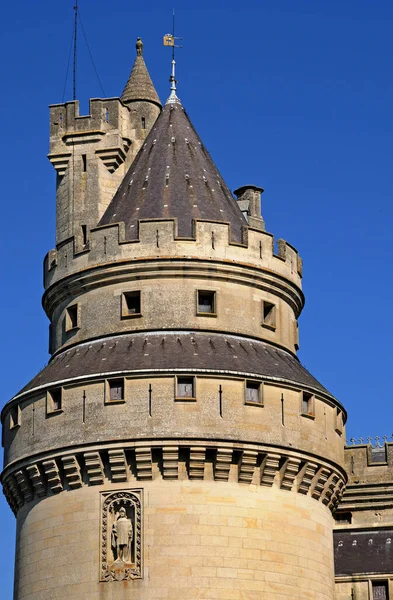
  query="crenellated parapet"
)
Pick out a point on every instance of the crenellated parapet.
point(158, 238)
point(224, 269)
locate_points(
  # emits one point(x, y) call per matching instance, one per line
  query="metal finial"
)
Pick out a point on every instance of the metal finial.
point(169, 40)
point(139, 47)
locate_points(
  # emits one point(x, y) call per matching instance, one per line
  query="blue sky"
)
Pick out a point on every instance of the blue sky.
point(294, 96)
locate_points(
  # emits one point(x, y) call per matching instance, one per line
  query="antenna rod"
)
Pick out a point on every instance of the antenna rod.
point(75, 37)
point(173, 34)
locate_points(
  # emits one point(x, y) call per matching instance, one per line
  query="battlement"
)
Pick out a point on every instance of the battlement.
point(108, 127)
point(371, 462)
point(91, 154)
point(104, 114)
point(157, 238)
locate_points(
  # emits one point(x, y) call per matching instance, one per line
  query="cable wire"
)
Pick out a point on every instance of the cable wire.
point(68, 66)
point(91, 57)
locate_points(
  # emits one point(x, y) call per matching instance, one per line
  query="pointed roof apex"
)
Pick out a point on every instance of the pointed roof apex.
point(174, 177)
point(139, 85)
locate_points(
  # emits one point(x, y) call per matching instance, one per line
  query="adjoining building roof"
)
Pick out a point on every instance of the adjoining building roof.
point(172, 352)
point(174, 177)
point(359, 552)
point(139, 85)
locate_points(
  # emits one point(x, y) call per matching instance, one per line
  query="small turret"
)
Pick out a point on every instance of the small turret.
point(249, 201)
point(139, 86)
point(92, 153)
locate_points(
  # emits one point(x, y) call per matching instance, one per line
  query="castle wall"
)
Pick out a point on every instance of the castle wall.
point(201, 540)
point(88, 416)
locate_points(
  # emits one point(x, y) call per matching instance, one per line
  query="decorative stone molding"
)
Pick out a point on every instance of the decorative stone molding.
point(118, 465)
point(289, 470)
point(331, 486)
point(197, 462)
point(37, 480)
point(269, 468)
point(53, 477)
point(72, 471)
point(94, 467)
point(23, 482)
point(15, 492)
point(223, 464)
point(247, 466)
point(9, 496)
point(60, 161)
point(170, 462)
point(306, 480)
point(121, 535)
point(112, 157)
point(322, 477)
point(144, 463)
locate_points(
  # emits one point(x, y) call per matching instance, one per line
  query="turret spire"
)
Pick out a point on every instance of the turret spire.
point(139, 85)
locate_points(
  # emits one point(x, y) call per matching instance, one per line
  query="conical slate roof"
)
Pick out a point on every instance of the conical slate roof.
point(173, 176)
point(139, 85)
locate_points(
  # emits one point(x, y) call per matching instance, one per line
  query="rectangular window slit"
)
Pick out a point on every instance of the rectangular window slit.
point(84, 234)
point(84, 162)
point(206, 302)
point(307, 404)
point(131, 304)
point(116, 389)
point(55, 397)
point(15, 416)
point(185, 387)
point(72, 321)
point(380, 590)
point(253, 392)
point(268, 315)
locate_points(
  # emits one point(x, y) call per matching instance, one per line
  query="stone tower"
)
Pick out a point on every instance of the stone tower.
point(174, 447)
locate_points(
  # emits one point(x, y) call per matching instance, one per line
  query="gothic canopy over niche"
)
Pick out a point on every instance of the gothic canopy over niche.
point(121, 535)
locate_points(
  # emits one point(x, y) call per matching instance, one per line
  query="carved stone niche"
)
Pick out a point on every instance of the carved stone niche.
point(121, 535)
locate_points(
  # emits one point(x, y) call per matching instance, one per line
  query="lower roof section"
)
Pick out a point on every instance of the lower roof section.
point(175, 351)
point(360, 552)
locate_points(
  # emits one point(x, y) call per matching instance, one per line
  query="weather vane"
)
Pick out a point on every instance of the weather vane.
point(169, 40)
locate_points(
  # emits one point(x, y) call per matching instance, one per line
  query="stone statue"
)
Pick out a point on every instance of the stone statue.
point(122, 536)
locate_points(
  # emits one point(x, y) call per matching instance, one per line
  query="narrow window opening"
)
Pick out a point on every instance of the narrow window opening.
point(378, 454)
point(339, 421)
point(116, 389)
point(131, 304)
point(268, 315)
point(206, 302)
point(15, 416)
point(185, 387)
point(84, 234)
point(72, 317)
point(55, 400)
point(253, 392)
point(143, 123)
point(106, 115)
point(343, 518)
point(84, 162)
point(61, 120)
point(307, 404)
